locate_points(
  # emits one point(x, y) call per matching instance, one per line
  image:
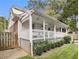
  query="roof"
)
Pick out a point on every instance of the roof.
point(52, 18)
point(18, 11)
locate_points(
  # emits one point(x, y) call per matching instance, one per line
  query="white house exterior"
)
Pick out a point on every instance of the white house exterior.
point(30, 25)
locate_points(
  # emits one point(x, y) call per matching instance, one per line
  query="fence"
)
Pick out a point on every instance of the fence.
point(8, 40)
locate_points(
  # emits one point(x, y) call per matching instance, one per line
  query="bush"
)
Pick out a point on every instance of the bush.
point(26, 57)
point(57, 44)
point(61, 42)
point(38, 50)
point(44, 47)
point(67, 39)
point(48, 46)
point(53, 45)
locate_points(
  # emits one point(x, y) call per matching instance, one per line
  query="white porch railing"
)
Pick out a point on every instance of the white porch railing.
point(39, 34)
point(49, 34)
point(60, 34)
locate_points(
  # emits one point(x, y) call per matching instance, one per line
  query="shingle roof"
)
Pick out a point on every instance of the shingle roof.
point(41, 14)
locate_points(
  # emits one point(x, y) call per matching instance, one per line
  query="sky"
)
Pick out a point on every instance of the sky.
point(5, 6)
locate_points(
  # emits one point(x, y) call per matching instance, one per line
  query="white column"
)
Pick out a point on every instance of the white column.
point(55, 31)
point(61, 29)
point(30, 33)
point(44, 29)
point(19, 32)
point(66, 31)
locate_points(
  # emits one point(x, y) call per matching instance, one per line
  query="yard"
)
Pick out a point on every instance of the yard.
point(67, 51)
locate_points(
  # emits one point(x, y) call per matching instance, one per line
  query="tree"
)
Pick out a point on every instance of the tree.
point(47, 5)
point(64, 8)
point(37, 4)
point(3, 24)
point(50, 12)
point(71, 11)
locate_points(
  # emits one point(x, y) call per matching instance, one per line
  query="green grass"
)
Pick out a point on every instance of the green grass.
point(69, 51)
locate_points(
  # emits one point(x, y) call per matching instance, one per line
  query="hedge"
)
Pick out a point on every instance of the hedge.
point(43, 46)
point(67, 39)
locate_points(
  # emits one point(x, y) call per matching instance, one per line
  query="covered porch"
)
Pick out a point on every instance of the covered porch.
point(45, 27)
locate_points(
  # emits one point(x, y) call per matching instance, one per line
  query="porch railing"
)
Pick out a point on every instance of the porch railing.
point(39, 34)
point(60, 34)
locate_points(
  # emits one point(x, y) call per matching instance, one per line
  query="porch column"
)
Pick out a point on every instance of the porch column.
point(30, 32)
point(61, 29)
point(66, 31)
point(44, 29)
point(55, 31)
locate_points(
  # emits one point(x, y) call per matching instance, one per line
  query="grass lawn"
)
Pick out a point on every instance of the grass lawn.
point(69, 51)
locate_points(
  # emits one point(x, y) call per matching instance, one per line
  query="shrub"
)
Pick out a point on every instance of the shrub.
point(38, 50)
point(67, 39)
point(48, 46)
point(57, 44)
point(44, 47)
point(61, 42)
point(46, 42)
point(53, 45)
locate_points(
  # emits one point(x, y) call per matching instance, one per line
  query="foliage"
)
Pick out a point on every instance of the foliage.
point(50, 12)
point(71, 11)
point(48, 46)
point(57, 6)
point(3, 24)
point(59, 43)
point(68, 51)
point(67, 39)
point(72, 25)
point(38, 50)
point(52, 45)
point(44, 46)
point(66, 8)
point(71, 8)
point(36, 4)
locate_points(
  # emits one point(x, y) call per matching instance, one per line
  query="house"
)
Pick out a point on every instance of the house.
point(29, 25)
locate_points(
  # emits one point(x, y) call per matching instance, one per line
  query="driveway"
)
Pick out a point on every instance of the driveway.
point(12, 53)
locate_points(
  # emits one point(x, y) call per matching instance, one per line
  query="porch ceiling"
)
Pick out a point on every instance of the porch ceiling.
point(49, 20)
